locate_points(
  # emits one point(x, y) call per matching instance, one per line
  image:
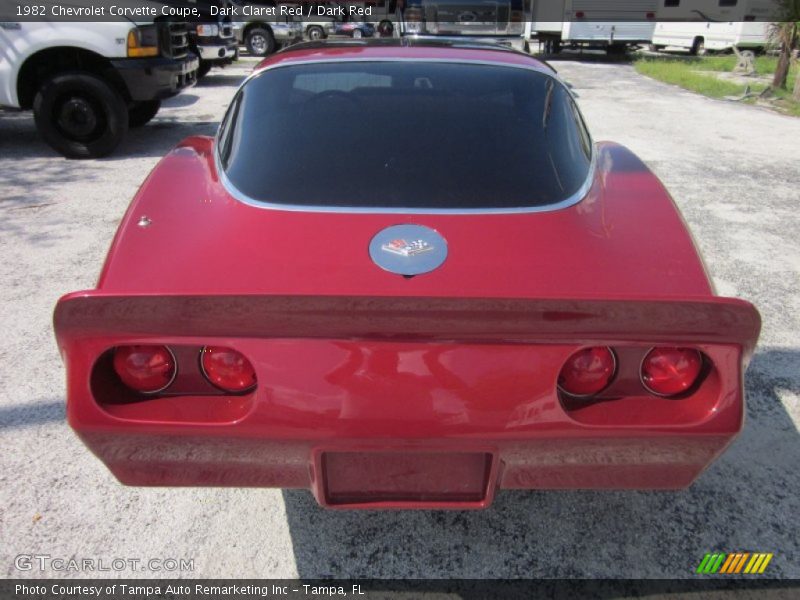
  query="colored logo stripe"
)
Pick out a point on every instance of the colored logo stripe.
point(711, 563)
point(737, 562)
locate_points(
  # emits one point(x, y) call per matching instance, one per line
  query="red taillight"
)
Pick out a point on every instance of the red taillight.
point(651, 16)
point(227, 369)
point(579, 14)
point(671, 371)
point(146, 369)
point(588, 371)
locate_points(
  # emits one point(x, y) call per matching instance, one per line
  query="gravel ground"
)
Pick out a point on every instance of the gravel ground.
point(733, 171)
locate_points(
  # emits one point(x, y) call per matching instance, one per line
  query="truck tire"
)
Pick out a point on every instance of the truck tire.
point(698, 47)
point(552, 46)
point(259, 41)
point(315, 32)
point(385, 28)
point(140, 113)
point(80, 115)
point(203, 69)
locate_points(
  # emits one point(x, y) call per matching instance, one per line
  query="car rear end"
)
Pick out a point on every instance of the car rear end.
point(243, 334)
point(404, 403)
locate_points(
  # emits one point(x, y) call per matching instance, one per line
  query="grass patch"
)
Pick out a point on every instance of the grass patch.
point(685, 74)
point(693, 74)
point(765, 65)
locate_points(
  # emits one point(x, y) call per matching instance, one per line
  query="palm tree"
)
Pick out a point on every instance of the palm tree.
point(786, 33)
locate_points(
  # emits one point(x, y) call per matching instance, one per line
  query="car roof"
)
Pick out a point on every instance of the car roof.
point(409, 48)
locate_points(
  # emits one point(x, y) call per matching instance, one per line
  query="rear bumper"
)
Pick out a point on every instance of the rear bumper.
point(608, 462)
point(156, 78)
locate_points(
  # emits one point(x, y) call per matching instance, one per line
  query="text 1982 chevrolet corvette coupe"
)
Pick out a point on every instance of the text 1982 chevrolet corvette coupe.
point(465, 295)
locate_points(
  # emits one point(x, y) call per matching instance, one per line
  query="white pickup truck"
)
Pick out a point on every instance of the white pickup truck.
point(88, 82)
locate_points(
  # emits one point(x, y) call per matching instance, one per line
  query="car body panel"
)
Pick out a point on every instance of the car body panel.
point(18, 44)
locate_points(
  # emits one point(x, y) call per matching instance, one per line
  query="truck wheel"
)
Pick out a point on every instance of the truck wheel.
point(616, 50)
point(386, 28)
point(203, 69)
point(552, 46)
point(315, 33)
point(698, 47)
point(80, 115)
point(140, 113)
point(260, 41)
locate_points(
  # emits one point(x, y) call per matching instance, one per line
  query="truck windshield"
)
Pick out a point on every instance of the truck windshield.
point(405, 135)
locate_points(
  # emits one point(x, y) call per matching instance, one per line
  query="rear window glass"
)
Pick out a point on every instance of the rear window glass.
point(405, 135)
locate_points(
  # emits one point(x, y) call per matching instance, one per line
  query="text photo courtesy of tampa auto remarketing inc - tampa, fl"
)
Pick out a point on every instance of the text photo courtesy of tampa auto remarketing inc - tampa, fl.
point(399, 299)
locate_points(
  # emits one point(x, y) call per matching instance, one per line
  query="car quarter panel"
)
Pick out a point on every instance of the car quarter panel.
point(215, 244)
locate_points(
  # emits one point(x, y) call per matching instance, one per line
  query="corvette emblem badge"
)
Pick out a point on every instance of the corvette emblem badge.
point(408, 249)
point(404, 248)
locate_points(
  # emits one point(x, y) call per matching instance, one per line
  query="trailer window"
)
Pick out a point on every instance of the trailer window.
point(405, 135)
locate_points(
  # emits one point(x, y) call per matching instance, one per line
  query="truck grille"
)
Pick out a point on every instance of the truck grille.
point(174, 38)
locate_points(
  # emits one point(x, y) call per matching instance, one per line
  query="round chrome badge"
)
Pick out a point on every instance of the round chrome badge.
point(408, 249)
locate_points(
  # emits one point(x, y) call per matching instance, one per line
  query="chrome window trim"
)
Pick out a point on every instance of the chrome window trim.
point(579, 195)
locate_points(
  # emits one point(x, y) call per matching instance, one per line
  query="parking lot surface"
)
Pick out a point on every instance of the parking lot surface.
point(733, 170)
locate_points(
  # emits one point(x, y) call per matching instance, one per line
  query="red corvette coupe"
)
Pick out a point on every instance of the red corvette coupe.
point(464, 293)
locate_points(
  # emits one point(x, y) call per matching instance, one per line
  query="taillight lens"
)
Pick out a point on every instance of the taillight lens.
point(227, 369)
point(144, 368)
point(588, 371)
point(671, 371)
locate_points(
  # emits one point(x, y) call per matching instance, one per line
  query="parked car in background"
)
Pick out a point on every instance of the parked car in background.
point(354, 29)
point(260, 35)
point(87, 83)
point(470, 295)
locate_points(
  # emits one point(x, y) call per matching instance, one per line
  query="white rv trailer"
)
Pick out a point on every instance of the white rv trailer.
point(700, 25)
point(612, 24)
